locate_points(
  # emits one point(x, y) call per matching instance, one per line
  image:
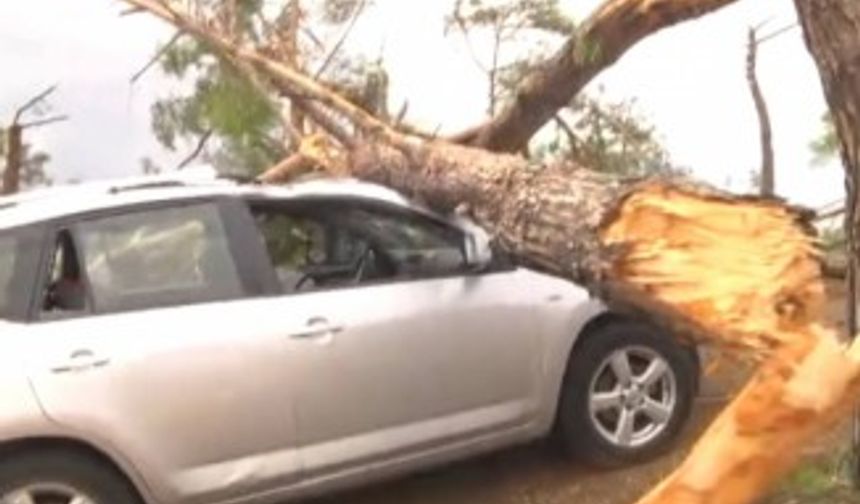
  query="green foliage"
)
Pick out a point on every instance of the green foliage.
point(243, 121)
point(826, 147)
point(832, 239)
point(510, 17)
point(222, 101)
point(825, 480)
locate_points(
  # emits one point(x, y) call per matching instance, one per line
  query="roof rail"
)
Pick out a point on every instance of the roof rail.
point(198, 176)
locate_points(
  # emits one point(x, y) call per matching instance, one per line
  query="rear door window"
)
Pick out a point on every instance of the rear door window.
point(161, 257)
point(19, 257)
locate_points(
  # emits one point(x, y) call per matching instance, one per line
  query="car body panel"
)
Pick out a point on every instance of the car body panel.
point(203, 410)
point(233, 402)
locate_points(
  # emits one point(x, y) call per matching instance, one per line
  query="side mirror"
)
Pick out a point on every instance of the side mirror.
point(479, 254)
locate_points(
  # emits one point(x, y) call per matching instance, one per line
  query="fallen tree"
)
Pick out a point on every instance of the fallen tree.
point(742, 273)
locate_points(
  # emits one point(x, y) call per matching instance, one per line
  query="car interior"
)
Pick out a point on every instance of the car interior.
point(328, 245)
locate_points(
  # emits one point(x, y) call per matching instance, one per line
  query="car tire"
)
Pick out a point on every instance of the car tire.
point(609, 419)
point(59, 476)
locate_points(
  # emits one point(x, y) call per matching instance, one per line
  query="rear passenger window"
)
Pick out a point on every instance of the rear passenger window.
point(158, 258)
point(19, 259)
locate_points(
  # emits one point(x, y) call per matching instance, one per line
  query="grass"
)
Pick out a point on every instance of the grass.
point(822, 481)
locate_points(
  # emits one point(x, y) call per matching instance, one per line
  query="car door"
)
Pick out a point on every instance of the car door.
point(149, 338)
point(403, 354)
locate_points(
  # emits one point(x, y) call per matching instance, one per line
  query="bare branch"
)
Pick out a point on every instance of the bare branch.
point(32, 103)
point(401, 114)
point(464, 30)
point(157, 56)
point(777, 33)
point(311, 35)
point(44, 122)
point(343, 36)
point(201, 144)
point(767, 171)
point(572, 138)
point(131, 11)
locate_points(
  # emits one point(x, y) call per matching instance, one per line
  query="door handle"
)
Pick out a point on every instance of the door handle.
point(315, 328)
point(81, 360)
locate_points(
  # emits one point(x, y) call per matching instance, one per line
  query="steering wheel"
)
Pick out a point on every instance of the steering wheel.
point(354, 273)
point(366, 257)
point(303, 280)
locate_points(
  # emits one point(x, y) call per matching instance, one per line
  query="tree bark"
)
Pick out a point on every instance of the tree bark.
point(644, 245)
point(768, 175)
point(741, 272)
point(830, 29)
point(14, 159)
point(598, 43)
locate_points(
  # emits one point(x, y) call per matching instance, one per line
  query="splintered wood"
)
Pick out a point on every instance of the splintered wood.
point(748, 274)
point(746, 271)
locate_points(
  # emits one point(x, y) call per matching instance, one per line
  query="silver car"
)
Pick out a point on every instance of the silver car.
point(190, 339)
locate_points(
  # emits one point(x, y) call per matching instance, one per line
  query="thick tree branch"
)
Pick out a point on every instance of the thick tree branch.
point(598, 43)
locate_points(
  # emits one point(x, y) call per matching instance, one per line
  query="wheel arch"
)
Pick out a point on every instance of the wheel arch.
point(601, 317)
point(65, 444)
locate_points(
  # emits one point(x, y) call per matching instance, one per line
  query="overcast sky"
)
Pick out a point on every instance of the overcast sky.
point(689, 81)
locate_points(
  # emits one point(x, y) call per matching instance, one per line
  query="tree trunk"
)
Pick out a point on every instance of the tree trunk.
point(741, 272)
point(767, 173)
point(830, 28)
point(14, 155)
point(644, 245)
point(597, 44)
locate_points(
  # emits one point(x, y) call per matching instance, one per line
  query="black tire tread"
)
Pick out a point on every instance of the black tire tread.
point(78, 470)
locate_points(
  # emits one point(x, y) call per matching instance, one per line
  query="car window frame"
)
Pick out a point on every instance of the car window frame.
point(29, 271)
point(366, 203)
point(224, 206)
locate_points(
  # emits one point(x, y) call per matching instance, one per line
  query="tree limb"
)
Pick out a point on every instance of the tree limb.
point(288, 81)
point(599, 42)
point(777, 33)
point(343, 36)
point(572, 139)
point(157, 56)
point(32, 102)
point(767, 171)
point(201, 144)
point(44, 122)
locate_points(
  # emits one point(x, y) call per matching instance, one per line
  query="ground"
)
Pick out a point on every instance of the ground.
point(535, 475)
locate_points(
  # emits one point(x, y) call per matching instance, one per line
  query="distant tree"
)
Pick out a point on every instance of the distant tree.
point(21, 166)
point(33, 173)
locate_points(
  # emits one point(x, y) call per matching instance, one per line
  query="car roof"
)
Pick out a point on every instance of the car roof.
point(55, 202)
